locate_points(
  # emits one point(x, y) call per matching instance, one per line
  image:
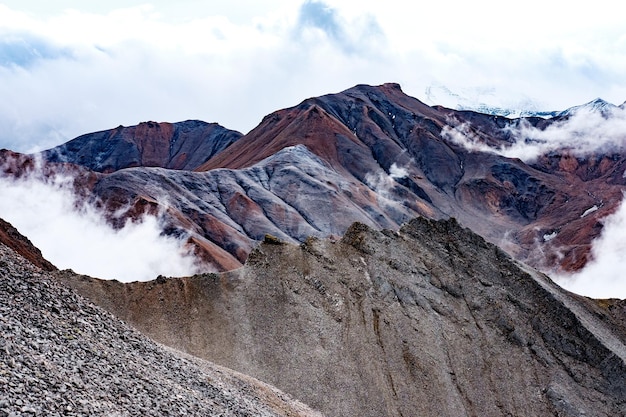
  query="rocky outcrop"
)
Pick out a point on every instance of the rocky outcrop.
point(430, 320)
point(63, 356)
point(183, 145)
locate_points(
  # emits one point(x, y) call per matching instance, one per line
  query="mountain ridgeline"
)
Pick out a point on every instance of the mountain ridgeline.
point(184, 145)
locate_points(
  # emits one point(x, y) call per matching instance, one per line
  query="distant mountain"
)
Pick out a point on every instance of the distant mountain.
point(183, 145)
point(506, 112)
point(473, 100)
point(594, 106)
point(370, 154)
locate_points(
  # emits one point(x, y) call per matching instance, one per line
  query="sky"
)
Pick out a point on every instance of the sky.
point(72, 67)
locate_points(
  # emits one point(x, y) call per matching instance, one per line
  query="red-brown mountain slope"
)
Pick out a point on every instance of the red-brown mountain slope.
point(182, 145)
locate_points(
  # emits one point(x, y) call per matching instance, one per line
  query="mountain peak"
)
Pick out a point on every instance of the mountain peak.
point(597, 105)
point(485, 100)
point(385, 86)
point(182, 145)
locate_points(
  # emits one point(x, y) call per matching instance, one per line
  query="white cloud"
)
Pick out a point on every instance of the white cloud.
point(584, 132)
point(462, 135)
point(603, 276)
point(383, 185)
point(396, 171)
point(76, 236)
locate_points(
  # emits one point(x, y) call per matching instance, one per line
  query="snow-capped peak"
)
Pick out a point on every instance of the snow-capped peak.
point(476, 99)
point(594, 106)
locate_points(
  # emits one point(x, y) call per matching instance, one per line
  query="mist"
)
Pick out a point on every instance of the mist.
point(585, 131)
point(76, 236)
point(603, 276)
point(383, 183)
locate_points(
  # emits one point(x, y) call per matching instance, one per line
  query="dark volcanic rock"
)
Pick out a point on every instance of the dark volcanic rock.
point(184, 145)
point(431, 320)
point(63, 356)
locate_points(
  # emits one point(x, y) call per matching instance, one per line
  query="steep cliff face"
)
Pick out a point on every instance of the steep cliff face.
point(431, 320)
point(183, 145)
point(61, 355)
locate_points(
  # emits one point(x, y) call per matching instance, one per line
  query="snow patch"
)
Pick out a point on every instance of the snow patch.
point(589, 211)
point(549, 236)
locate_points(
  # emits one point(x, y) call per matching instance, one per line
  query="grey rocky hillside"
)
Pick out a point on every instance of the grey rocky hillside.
point(428, 321)
point(60, 355)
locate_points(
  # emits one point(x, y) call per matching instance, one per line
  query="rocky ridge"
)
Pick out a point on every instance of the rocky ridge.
point(60, 355)
point(431, 320)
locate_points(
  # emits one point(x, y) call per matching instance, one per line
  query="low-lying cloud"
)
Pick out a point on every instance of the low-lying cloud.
point(383, 183)
point(603, 276)
point(585, 131)
point(76, 236)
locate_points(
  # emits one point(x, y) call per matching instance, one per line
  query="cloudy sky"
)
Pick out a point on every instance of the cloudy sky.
point(70, 67)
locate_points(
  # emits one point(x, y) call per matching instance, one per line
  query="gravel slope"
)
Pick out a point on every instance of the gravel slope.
point(61, 355)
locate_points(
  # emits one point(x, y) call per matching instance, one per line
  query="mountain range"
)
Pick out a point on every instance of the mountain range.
point(475, 100)
point(370, 154)
point(365, 254)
